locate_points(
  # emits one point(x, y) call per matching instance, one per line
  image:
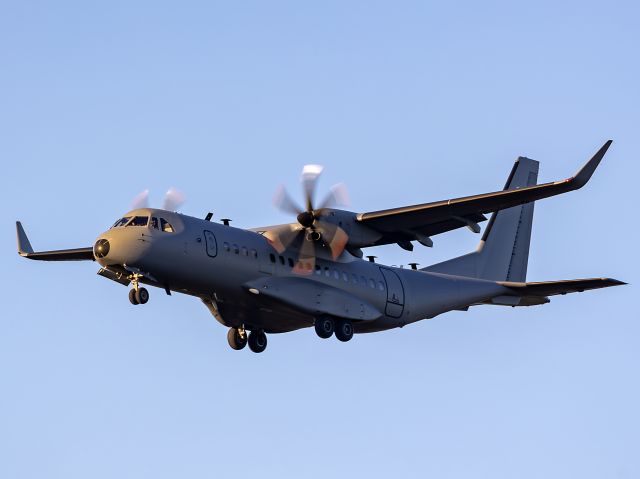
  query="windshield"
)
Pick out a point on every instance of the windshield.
point(139, 221)
point(121, 222)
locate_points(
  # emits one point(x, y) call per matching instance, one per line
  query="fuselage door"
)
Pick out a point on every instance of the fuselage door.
point(395, 293)
point(211, 244)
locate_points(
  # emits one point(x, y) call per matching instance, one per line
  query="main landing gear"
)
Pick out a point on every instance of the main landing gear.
point(137, 295)
point(326, 326)
point(238, 338)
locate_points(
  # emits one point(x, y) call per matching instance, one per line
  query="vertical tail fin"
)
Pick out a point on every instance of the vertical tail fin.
point(503, 252)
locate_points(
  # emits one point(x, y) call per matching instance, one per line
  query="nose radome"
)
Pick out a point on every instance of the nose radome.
point(101, 248)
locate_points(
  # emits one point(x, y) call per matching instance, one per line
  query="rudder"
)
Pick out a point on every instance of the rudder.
point(503, 252)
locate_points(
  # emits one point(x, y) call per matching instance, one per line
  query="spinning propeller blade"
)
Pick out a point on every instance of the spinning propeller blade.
point(173, 199)
point(312, 230)
point(141, 200)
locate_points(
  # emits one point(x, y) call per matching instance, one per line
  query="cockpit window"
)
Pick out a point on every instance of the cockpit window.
point(121, 222)
point(139, 221)
point(165, 226)
point(154, 222)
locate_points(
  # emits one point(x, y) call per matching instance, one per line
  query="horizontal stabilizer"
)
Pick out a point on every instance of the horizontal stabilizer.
point(550, 288)
point(26, 250)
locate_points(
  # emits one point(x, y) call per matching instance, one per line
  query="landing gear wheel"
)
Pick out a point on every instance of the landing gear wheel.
point(257, 341)
point(324, 327)
point(132, 297)
point(344, 331)
point(142, 295)
point(236, 340)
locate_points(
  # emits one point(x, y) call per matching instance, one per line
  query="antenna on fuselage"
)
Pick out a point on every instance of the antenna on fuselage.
point(225, 221)
point(209, 216)
point(372, 259)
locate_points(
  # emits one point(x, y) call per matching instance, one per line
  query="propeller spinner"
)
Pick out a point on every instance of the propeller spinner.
point(312, 231)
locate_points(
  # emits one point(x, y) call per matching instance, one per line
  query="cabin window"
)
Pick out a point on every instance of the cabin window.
point(336, 274)
point(236, 249)
point(165, 226)
point(345, 276)
point(139, 221)
point(380, 285)
point(245, 251)
point(272, 257)
point(290, 262)
point(372, 283)
point(254, 253)
point(318, 269)
point(327, 272)
point(282, 260)
point(226, 246)
point(354, 278)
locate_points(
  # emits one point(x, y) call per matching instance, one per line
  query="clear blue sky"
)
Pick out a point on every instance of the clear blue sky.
point(406, 102)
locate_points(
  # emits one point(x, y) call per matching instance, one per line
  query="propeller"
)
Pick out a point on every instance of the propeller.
point(312, 230)
point(173, 199)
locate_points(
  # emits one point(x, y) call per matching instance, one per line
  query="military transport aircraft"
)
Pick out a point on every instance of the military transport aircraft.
point(310, 273)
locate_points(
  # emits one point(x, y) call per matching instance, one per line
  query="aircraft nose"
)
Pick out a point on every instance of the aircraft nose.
point(101, 248)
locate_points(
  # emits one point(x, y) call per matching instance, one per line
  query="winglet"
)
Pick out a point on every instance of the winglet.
point(581, 177)
point(24, 246)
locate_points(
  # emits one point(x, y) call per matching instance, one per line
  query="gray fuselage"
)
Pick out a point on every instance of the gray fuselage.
point(229, 267)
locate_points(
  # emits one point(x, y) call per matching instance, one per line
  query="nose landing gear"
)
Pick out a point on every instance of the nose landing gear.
point(137, 295)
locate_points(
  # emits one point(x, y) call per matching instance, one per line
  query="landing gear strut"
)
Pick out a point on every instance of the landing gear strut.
point(137, 295)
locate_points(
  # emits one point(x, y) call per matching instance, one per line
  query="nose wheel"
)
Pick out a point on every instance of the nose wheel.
point(138, 295)
point(141, 296)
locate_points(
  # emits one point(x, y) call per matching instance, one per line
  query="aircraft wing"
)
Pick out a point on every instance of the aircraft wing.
point(409, 222)
point(25, 250)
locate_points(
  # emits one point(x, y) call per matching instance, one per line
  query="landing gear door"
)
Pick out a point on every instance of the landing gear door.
point(395, 293)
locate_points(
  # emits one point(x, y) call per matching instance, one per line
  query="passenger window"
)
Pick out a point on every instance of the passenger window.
point(354, 278)
point(139, 221)
point(212, 245)
point(372, 283)
point(380, 285)
point(165, 226)
point(245, 251)
point(290, 262)
point(272, 257)
point(336, 274)
point(282, 260)
point(226, 246)
point(254, 253)
point(236, 249)
point(154, 222)
point(318, 269)
point(327, 273)
point(345, 276)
